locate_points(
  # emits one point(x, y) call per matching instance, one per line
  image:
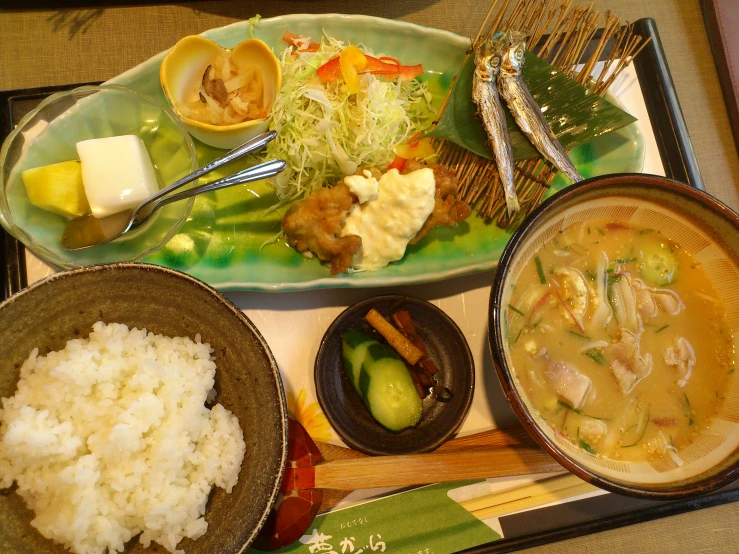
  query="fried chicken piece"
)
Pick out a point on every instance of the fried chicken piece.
point(448, 210)
point(314, 224)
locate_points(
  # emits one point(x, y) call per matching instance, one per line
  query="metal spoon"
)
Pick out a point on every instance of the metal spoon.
point(91, 231)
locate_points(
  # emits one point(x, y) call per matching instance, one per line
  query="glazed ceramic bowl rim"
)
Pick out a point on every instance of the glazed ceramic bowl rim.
point(240, 315)
point(41, 250)
point(690, 488)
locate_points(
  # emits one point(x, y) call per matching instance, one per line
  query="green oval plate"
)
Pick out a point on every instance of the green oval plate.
point(220, 243)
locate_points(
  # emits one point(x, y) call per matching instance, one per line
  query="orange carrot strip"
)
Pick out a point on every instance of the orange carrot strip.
point(292, 40)
point(424, 377)
point(419, 343)
point(427, 365)
point(416, 376)
point(403, 320)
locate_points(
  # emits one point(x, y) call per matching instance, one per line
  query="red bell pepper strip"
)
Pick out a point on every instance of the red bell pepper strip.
point(385, 65)
point(398, 163)
point(331, 70)
point(292, 40)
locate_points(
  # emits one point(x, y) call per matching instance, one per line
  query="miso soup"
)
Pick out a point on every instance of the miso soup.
point(620, 341)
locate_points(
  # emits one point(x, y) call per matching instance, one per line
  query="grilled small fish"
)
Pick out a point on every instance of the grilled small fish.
point(490, 109)
point(525, 111)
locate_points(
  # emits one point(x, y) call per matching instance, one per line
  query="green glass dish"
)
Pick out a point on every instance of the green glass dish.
point(49, 134)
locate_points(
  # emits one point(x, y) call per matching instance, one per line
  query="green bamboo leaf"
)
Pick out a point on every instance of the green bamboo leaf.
point(574, 113)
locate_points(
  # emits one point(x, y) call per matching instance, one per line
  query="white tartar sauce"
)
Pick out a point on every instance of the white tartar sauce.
point(388, 219)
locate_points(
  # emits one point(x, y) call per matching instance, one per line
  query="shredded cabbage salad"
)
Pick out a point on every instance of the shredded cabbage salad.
point(324, 133)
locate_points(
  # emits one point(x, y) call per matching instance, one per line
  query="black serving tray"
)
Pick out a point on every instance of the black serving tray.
point(544, 525)
point(609, 511)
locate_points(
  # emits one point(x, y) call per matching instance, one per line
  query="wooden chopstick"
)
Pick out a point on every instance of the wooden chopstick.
point(421, 469)
point(528, 496)
point(494, 438)
point(510, 495)
point(533, 501)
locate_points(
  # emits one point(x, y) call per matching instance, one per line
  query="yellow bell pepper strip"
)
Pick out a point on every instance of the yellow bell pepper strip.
point(417, 148)
point(350, 61)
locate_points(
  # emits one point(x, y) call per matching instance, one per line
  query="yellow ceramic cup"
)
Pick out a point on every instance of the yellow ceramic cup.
point(182, 71)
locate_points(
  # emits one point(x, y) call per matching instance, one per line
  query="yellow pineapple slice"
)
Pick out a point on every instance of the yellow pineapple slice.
point(57, 188)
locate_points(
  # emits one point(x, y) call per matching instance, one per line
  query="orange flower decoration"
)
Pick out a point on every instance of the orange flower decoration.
point(310, 416)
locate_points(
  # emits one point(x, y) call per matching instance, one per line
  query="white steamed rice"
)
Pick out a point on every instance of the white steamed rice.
point(110, 437)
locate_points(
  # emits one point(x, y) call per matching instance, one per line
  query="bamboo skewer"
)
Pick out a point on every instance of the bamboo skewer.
point(486, 18)
point(571, 29)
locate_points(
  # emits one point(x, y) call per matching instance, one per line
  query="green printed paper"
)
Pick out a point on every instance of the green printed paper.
point(422, 521)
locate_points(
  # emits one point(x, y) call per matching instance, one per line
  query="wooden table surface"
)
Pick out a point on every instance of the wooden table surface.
point(43, 47)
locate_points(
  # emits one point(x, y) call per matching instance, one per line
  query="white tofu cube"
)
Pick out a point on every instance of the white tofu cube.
point(117, 173)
